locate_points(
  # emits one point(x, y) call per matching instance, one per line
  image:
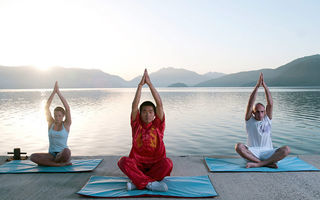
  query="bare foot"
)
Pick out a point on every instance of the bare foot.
point(252, 164)
point(272, 165)
point(65, 164)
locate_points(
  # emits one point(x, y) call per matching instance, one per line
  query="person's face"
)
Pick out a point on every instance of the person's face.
point(259, 112)
point(147, 114)
point(58, 116)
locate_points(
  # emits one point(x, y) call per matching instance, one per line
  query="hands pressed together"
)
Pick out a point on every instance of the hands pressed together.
point(261, 81)
point(56, 88)
point(145, 79)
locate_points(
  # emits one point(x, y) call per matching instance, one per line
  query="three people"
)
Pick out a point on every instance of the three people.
point(58, 132)
point(259, 151)
point(147, 163)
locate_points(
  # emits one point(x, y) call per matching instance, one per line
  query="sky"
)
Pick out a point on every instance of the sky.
point(123, 37)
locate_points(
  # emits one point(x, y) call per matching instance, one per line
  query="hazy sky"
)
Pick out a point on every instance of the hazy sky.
point(122, 37)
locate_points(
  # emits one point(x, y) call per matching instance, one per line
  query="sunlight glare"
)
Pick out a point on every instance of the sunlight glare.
point(43, 67)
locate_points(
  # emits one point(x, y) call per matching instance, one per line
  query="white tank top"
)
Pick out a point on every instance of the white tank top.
point(259, 133)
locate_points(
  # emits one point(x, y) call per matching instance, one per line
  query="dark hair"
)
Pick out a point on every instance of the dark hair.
point(60, 109)
point(147, 103)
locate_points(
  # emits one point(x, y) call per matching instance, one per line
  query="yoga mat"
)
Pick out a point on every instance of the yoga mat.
point(27, 166)
point(189, 186)
point(239, 165)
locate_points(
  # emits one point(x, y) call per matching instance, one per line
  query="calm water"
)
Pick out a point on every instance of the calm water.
point(198, 120)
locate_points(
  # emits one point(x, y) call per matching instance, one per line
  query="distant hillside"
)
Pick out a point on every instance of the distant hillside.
point(178, 85)
point(213, 75)
point(29, 77)
point(170, 75)
point(300, 72)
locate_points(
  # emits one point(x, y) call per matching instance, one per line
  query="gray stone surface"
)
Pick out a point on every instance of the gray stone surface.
point(229, 186)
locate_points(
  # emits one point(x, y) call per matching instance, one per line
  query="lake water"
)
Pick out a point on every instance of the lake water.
point(199, 121)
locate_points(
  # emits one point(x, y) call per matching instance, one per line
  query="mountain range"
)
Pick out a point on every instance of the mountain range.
point(168, 76)
point(30, 77)
point(303, 71)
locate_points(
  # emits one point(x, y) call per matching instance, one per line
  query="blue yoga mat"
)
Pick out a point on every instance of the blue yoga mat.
point(27, 166)
point(239, 165)
point(189, 186)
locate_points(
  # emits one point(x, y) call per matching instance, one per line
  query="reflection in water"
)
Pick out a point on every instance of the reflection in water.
point(198, 120)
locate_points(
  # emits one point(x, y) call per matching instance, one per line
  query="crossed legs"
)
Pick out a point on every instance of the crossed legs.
point(141, 174)
point(46, 159)
point(279, 154)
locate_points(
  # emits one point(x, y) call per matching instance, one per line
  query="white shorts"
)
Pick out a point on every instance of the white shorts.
point(262, 153)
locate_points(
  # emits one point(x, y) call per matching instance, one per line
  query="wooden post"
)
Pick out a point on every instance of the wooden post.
point(16, 154)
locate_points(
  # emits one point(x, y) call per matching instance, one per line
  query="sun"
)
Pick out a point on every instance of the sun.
point(43, 67)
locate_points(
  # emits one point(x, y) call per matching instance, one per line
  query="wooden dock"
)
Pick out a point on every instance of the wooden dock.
point(229, 186)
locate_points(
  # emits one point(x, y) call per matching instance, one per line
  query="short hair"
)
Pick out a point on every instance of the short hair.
point(60, 109)
point(255, 105)
point(147, 103)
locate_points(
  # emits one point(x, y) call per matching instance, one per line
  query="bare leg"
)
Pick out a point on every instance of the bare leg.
point(244, 152)
point(64, 157)
point(46, 159)
point(278, 155)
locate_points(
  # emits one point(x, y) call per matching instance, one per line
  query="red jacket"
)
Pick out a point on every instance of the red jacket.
point(147, 140)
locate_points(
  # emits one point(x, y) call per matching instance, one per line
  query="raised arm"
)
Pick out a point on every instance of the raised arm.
point(68, 120)
point(252, 98)
point(156, 96)
point(136, 100)
point(269, 107)
point(49, 117)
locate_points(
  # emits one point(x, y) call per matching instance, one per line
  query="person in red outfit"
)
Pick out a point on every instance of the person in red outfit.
point(147, 163)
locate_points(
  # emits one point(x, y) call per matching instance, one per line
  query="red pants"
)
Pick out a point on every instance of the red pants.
point(141, 174)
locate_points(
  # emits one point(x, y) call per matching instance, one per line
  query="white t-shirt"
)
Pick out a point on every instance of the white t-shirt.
point(259, 133)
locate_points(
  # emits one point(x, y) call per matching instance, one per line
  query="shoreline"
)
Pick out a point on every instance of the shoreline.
point(244, 185)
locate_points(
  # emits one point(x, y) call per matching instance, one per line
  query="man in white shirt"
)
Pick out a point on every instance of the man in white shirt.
point(260, 152)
